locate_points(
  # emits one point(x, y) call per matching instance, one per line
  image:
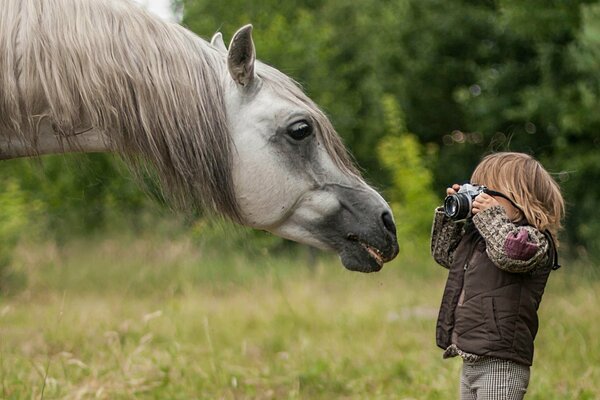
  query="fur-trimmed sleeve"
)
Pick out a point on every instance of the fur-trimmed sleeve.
point(445, 235)
point(511, 247)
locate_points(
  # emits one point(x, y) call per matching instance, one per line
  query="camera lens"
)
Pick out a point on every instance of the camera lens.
point(457, 206)
point(451, 206)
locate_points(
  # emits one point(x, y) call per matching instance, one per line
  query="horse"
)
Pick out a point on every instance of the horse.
point(220, 130)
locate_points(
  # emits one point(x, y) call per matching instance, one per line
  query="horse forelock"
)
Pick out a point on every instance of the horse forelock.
point(291, 91)
point(154, 88)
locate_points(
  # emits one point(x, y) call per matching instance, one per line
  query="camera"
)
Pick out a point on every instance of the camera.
point(458, 206)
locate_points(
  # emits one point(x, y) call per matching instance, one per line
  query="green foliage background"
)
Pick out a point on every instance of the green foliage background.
point(420, 90)
point(467, 77)
point(106, 293)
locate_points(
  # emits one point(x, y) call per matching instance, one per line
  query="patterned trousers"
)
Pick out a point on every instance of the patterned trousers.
point(493, 379)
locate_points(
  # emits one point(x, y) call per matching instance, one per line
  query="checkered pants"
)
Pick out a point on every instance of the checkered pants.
point(493, 379)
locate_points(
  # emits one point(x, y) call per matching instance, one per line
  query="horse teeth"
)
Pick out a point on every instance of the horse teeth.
point(374, 252)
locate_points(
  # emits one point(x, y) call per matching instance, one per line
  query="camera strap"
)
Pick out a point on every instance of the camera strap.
point(494, 193)
point(555, 264)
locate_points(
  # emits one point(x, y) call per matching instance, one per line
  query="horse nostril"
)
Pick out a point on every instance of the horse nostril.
point(388, 222)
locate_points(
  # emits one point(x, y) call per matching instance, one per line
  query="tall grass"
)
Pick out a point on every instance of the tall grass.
point(175, 318)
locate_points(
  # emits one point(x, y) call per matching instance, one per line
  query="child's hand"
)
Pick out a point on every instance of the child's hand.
point(483, 202)
point(452, 190)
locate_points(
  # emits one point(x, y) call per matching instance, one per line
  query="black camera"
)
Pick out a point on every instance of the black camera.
point(458, 206)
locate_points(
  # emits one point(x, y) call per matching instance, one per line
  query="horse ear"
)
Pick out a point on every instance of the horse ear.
point(241, 56)
point(218, 43)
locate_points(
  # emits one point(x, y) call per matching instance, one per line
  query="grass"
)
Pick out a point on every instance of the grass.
point(152, 318)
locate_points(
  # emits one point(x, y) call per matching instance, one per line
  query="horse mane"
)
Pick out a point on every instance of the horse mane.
point(152, 87)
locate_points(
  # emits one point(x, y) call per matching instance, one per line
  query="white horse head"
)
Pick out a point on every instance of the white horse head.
point(292, 175)
point(221, 129)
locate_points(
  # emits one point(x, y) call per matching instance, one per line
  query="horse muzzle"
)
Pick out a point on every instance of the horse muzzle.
point(368, 251)
point(362, 231)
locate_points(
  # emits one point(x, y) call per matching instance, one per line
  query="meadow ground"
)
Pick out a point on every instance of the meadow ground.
point(167, 319)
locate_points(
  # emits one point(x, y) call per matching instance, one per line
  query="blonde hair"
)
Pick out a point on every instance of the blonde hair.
point(525, 181)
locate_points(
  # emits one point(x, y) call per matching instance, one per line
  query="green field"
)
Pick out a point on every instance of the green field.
point(128, 318)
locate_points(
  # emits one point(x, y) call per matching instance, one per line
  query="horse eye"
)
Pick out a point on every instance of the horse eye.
point(299, 130)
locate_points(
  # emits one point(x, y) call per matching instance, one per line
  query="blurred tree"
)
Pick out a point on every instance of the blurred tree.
point(410, 190)
point(579, 118)
point(17, 219)
point(470, 77)
point(79, 193)
point(508, 75)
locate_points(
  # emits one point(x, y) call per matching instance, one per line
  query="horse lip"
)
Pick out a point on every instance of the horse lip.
point(373, 251)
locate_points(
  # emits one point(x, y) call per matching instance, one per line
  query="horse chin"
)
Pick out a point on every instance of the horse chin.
point(361, 259)
point(361, 256)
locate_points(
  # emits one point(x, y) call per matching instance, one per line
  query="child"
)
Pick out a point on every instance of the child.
point(499, 261)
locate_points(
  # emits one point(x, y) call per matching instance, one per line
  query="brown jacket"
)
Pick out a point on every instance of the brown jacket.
point(497, 274)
